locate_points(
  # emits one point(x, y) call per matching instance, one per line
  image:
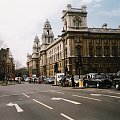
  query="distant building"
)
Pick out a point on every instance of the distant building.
point(33, 60)
point(97, 48)
point(7, 66)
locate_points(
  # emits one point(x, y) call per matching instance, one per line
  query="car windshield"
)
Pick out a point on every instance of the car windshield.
point(76, 78)
point(50, 78)
point(99, 76)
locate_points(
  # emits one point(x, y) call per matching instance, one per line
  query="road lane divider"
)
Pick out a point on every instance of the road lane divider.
point(56, 92)
point(25, 95)
point(69, 118)
point(87, 98)
point(9, 95)
point(70, 101)
point(106, 96)
point(43, 104)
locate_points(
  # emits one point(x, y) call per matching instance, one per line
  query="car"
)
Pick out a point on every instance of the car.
point(49, 80)
point(99, 80)
point(76, 79)
point(18, 80)
point(37, 80)
point(65, 81)
point(27, 79)
point(31, 80)
point(59, 77)
point(116, 81)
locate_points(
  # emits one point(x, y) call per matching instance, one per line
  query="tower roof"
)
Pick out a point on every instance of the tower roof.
point(36, 40)
point(47, 24)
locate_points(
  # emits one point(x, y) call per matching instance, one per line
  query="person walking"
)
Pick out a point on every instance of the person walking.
point(72, 81)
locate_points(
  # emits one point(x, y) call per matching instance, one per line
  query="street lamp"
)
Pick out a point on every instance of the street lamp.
point(79, 59)
point(63, 40)
point(37, 69)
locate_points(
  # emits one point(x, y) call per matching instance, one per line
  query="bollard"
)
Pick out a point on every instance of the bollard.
point(81, 83)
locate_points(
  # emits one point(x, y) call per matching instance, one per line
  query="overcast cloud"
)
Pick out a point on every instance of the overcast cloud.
point(21, 20)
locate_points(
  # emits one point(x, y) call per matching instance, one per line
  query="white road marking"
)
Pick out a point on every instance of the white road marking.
point(73, 102)
point(114, 93)
point(106, 95)
point(16, 106)
point(9, 95)
point(96, 94)
point(56, 92)
point(87, 97)
point(25, 95)
point(43, 104)
point(66, 116)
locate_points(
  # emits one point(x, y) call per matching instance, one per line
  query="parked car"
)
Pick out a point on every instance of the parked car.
point(31, 80)
point(76, 79)
point(99, 80)
point(18, 80)
point(27, 79)
point(49, 80)
point(116, 81)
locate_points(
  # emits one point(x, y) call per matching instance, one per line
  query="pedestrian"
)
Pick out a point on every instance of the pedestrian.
point(72, 81)
point(61, 81)
point(64, 81)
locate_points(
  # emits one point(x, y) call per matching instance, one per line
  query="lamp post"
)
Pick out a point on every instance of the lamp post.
point(63, 40)
point(90, 64)
point(79, 59)
point(37, 69)
point(55, 71)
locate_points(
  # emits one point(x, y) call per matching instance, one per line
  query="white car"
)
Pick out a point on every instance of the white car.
point(27, 79)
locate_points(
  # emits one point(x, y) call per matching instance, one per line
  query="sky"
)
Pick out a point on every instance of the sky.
point(22, 20)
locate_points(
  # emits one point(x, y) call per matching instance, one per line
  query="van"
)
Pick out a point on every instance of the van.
point(59, 76)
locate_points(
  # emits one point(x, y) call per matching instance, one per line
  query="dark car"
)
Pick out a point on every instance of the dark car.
point(99, 80)
point(116, 81)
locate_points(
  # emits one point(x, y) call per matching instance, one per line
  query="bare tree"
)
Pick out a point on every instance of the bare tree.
point(2, 44)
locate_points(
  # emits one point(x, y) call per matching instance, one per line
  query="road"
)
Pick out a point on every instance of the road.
point(47, 102)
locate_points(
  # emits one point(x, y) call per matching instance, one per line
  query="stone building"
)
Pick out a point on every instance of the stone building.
point(79, 49)
point(7, 66)
point(33, 60)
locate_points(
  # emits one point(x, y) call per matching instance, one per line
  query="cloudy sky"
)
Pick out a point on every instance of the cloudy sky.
point(22, 20)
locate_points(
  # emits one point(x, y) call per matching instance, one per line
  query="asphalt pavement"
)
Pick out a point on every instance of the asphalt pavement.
point(46, 102)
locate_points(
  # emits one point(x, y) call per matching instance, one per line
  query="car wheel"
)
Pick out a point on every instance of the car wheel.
point(86, 85)
point(109, 86)
point(98, 85)
point(117, 86)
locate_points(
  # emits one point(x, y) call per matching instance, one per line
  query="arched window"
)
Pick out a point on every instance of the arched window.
point(48, 32)
point(106, 51)
point(98, 51)
point(48, 39)
point(78, 50)
point(77, 22)
point(114, 51)
point(91, 51)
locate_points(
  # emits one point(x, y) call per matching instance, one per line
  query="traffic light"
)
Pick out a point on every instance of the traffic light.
point(79, 62)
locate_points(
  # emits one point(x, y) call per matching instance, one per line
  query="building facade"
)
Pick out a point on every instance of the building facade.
point(79, 49)
point(7, 66)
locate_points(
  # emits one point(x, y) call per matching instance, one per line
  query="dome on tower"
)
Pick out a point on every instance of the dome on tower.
point(47, 24)
point(36, 40)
